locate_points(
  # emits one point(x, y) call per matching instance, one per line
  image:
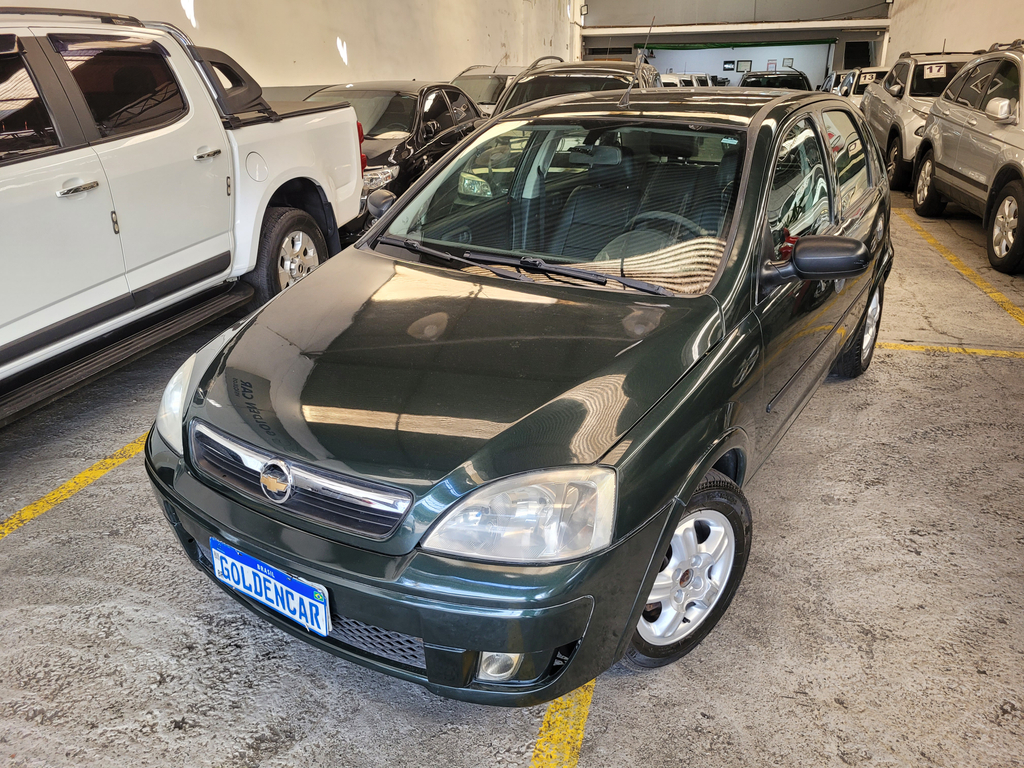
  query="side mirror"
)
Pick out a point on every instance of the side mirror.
point(895, 90)
point(379, 201)
point(999, 109)
point(820, 257)
point(430, 129)
point(844, 91)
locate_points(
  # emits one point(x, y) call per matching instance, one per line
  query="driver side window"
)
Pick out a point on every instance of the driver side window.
point(798, 198)
point(435, 109)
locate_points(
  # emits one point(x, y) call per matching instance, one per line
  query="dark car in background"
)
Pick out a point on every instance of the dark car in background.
point(500, 443)
point(541, 82)
point(790, 79)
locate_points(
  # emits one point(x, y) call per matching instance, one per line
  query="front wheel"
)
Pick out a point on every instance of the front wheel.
point(1005, 240)
point(858, 354)
point(896, 168)
point(699, 574)
point(927, 200)
point(291, 246)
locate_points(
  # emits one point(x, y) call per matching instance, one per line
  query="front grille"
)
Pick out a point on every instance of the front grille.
point(384, 643)
point(329, 499)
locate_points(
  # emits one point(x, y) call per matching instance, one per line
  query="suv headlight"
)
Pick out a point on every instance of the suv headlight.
point(537, 517)
point(379, 176)
point(172, 407)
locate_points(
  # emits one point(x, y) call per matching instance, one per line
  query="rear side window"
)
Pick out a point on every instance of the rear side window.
point(974, 87)
point(798, 200)
point(930, 79)
point(25, 125)
point(126, 82)
point(848, 154)
point(1005, 84)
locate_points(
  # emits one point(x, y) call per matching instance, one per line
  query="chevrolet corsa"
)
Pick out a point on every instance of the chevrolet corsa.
point(499, 444)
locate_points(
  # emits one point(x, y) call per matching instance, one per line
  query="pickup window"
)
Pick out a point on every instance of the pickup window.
point(25, 125)
point(125, 81)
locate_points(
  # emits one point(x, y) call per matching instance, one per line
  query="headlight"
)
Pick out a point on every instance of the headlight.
point(546, 516)
point(375, 178)
point(473, 186)
point(919, 131)
point(172, 407)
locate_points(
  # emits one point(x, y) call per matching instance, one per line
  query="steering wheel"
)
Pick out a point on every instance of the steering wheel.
point(665, 217)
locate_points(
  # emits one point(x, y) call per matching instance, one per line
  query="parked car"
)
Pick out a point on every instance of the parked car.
point(790, 79)
point(541, 82)
point(833, 80)
point(701, 79)
point(484, 84)
point(407, 125)
point(897, 107)
point(972, 151)
point(146, 175)
point(856, 81)
point(677, 80)
point(501, 442)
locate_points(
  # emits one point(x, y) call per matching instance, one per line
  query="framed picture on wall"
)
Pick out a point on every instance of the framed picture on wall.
point(743, 65)
point(787, 62)
point(728, 66)
point(772, 64)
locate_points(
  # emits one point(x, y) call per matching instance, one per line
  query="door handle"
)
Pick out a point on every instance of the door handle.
point(972, 121)
point(77, 189)
point(945, 112)
point(206, 155)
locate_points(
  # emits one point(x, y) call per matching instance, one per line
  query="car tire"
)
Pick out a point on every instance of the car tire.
point(896, 168)
point(860, 350)
point(701, 570)
point(291, 246)
point(1005, 238)
point(927, 200)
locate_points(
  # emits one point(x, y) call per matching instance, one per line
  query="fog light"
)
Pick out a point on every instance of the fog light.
point(496, 667)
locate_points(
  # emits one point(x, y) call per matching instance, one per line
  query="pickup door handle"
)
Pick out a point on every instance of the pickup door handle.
point(206, 155)
point(77, 189)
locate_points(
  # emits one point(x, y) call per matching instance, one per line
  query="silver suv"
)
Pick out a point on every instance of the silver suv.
point(895, 111)
point(972, 148)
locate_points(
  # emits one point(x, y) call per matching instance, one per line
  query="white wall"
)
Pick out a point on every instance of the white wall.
point(296, 42)
point(923, 25)
point(613, 13)
point(809, 59)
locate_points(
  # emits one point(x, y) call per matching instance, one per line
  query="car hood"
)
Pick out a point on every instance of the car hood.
point(378, 150)
point(407, 373)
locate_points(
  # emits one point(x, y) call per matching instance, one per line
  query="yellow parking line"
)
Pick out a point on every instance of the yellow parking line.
point(999, 298)
point(71, 487)
point(951, 350)
point(561, 733)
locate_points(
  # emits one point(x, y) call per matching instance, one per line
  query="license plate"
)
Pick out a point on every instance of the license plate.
point(302, 601)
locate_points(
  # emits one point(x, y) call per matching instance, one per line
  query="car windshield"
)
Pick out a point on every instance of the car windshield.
point(864, 80)
point(383, 114)
point(635, 200)
point(792, 82)
point(542, 86)
point(931, 78)
point(483, 89)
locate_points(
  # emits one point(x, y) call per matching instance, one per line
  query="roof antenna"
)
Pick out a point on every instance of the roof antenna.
point(641, 58)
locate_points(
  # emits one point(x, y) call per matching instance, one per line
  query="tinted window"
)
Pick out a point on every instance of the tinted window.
point(483, 89)
point(435, 110)
point(642, 200)
point(383, 114)
point(126, 81)
point(798, 201)
point(1005, 84)
point(25, 125)
point(461, 107)
point(795, 82)
point(975, 85)
point(932, 78)
point(847, 146)
point(542, 86)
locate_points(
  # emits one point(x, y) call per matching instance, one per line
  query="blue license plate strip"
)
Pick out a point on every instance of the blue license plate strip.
point(302, 601)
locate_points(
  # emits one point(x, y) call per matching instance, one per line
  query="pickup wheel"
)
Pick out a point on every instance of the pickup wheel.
point(858, 353)
point(896, 168)
point(291, 246)
point(699, 574)
point(1005, 238)
point(927, 200)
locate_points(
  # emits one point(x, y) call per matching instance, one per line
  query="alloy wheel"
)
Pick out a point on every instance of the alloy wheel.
point(924, 181)
point(891, 160)
point(693, 577)
point(297, 258)
point(1004, 226)
point(871, 319)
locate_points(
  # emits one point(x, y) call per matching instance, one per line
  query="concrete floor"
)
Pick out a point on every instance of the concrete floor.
point(880, 621)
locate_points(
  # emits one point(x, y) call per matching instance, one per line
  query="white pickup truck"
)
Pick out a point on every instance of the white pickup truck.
point(146, 187)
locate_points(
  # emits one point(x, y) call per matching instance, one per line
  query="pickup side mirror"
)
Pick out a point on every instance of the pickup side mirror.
point(379, 201)
point(820, 257)
point(999, 109)
point(895, 90)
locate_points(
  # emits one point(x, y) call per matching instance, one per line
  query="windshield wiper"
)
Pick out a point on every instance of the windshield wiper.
point(426, 250)
point(600, 278)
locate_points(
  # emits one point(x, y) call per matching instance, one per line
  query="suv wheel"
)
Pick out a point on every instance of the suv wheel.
point(1005, 239)
point(896, 168)
point(699, 574)
point(291, 246)
point(927, 200)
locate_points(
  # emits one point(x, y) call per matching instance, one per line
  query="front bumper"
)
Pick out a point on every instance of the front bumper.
point(423, 617)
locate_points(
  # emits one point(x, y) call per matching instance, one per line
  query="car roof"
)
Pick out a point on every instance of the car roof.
point(584, 67)
point(776, 73)
point(926, 57)
point(486, 70)
point(732, 107)
point(407, 87)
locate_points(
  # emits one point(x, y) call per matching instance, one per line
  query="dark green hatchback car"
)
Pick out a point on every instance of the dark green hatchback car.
point(499, 444)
